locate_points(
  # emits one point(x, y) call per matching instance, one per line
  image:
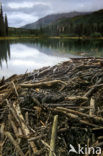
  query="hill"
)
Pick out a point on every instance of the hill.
point(89, 24)
point(50, 19)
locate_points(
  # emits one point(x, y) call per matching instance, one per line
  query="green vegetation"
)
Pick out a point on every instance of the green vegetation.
point(3, 23)
point(85, 25)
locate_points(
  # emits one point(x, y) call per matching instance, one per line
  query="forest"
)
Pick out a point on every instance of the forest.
point(90, 25)
point(3, 23)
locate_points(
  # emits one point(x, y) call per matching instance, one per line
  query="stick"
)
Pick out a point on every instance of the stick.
point(53, 136)
point(17, 147)
point(1, 138)
point(24, 127)
point(94, 118)
point(94, 88)
point(76, 118)
point(15, 89)
point(92, 105)
point(76, 98)
point(43, 84)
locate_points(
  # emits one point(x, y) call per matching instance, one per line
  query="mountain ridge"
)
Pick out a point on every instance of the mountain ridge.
point(49, 19)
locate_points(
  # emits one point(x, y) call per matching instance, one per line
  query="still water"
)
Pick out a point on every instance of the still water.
point(19, 56)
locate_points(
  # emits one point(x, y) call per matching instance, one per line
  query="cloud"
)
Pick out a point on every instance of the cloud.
point(21, 19)
point(21, 12)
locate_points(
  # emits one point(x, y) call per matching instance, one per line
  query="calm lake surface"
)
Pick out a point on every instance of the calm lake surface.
point(18, 56)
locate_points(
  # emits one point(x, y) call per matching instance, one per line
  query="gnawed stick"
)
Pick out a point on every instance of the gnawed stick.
point(1, 138)
point(76, 98)
point(76, 118)
point(24, 127)
point(17, 131)
point(43, 84)
point(13, 112)
point(94, 88)
point(53, 136)
point(92, 105)
point(15, 89)
point(96, 119)
point(17, 147)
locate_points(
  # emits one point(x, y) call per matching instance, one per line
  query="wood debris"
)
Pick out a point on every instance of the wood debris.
point(70, 94)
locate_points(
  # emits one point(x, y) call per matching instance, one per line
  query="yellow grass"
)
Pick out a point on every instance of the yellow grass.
point(52, 37)
point(17, 37)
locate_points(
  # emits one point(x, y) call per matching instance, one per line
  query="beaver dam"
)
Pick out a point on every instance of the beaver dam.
point(53, 109)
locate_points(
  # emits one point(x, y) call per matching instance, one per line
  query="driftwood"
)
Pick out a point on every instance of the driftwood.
point(17, 147)
point(76, 98)
point(92, 105)
point(96, 119)
point(43, 84)
point(76, 118)
point(72, 90)
point(53, 136)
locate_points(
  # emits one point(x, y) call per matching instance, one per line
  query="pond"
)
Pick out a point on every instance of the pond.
point(19, 56)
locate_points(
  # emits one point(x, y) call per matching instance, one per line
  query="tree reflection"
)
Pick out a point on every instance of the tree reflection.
point(4, 51)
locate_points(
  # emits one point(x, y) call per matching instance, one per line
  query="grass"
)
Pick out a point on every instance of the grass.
point(16, 37)
point(52, 37)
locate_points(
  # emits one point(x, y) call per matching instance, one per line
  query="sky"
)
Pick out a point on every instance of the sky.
point(21, 12)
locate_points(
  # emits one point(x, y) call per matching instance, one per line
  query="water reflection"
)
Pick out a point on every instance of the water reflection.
point(16, 56)
point(4, 51)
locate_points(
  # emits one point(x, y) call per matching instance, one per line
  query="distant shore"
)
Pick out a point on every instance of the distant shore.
point(51, 37)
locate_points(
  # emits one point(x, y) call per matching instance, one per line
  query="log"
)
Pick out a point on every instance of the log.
point(53, 136)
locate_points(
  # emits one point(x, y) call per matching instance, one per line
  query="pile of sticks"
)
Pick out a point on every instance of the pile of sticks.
point(44, 112)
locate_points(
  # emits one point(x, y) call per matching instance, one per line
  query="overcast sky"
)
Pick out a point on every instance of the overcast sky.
point(21, 12)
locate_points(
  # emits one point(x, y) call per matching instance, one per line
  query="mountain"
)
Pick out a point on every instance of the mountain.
point(50, 19)
point(94, 17)
point(88, 24)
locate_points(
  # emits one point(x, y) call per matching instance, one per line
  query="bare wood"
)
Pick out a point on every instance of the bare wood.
point(94, 118)
point(53, 136)
point(2, 138)
point(13, 112)
point(15, 129)
point(43, 84)
point(44, 71)
point(15, 89)
point(93, 88)
point(17, 147)
point(37, 137)
point(24, 127)
point(76, 98)
point(76, 118)
point(92, 105)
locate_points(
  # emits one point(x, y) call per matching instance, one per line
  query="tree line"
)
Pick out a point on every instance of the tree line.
point(3, 23)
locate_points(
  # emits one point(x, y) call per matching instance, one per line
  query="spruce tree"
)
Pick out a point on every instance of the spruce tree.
point(2, 22)
point(6, 25)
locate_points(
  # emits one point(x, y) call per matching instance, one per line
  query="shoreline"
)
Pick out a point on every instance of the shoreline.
point(51, 37)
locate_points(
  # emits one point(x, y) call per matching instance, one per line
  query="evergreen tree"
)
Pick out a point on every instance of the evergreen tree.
point(6, 25)
point(3, 23)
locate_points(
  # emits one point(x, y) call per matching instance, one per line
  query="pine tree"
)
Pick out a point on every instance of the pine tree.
point(3, 23)
point(6, 25)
